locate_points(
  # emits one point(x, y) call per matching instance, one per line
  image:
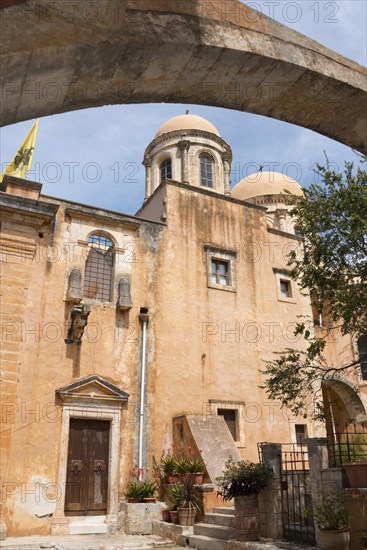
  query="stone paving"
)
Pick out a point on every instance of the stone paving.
point(123, 542)
point(88, 542)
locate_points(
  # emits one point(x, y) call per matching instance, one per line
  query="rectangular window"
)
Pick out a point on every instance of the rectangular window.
point(301, 433)
point(230, 418)
point(220, 272)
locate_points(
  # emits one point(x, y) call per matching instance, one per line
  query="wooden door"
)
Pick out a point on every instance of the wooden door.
point(87, 468)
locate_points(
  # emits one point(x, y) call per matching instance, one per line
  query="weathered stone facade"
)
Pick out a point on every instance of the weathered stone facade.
point(200, 274)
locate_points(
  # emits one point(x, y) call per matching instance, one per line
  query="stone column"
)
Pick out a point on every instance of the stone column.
point(184, 145)
point(148, 177)
point(226, 157)
point(282, 215)
point(318, 461)
point(270, 499)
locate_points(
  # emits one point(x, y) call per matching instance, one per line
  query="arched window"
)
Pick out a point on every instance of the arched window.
point(166, 169)
point(206, 170)
point(98, 276)
point(362, 352)
point(298, 231)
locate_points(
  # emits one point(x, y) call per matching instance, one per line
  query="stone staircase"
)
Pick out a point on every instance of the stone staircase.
point(215, 530)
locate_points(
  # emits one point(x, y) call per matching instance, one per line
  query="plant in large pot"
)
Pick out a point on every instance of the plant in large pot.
point(332, 518)
point(243, 481)
point(192, 500)
point(175, 495)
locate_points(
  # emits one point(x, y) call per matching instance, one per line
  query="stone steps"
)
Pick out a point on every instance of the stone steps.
point(228, 510)
point(87, 525)
point(212, 530)
point(215, 531)
point(202, 542)
point(226, 520)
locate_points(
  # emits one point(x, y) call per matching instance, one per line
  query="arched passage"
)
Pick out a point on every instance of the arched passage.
point(60, 56)
point(343, 405)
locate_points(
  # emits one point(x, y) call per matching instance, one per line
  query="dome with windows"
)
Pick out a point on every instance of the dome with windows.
point(265, 183)
point(187, 122)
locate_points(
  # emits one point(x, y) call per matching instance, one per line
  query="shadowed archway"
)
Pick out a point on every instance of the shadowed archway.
point(61, 56)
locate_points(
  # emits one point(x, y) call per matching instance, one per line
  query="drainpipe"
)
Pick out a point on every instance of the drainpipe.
point(144, 317)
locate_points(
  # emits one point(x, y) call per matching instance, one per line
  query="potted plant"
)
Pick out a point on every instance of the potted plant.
point(182, 466)
point(243, 481)
point(197, 467)
point(168, 465)
point(332, 518)
point(191, 502)
point(175, 494)
point(140, 491)
point(133, 492)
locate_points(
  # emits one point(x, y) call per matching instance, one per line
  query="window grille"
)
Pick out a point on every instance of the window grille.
point(99, 269)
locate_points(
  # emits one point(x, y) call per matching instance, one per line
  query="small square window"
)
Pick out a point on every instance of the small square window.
point(220, 267)
point(285, 288)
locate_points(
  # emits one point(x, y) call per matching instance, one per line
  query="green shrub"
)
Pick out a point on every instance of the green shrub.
point(243, 478)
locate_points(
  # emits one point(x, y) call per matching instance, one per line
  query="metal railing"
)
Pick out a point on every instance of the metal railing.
point(347, 446)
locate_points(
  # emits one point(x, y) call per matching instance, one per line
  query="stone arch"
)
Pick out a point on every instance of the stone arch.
point(342, 403)
point(215, 53)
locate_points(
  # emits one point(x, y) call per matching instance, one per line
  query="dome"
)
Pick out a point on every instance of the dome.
point(187, 122)
point(265, 183)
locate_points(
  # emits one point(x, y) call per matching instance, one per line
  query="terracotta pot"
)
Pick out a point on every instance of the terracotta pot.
point(335, 540)
point(133, 500)
point(149, 499)
point(174, 516)
point(170, 479)
point(198, 479)
point(186, 516)
point(356, 474)
point(246, 513)
point(166, 516)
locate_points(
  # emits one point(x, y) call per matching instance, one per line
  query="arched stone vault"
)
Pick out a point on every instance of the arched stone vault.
point(349, 397)
point(60, 56)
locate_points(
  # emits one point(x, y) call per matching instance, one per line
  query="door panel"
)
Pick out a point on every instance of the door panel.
point(87, 468)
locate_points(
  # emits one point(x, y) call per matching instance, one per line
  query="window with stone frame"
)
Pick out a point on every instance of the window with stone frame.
point(206, 170)
point(284, 286)
point(166, 169)
point(230, 418)
point(362, 353)
point(234, 414)
point(99, 266)
point(220, 268)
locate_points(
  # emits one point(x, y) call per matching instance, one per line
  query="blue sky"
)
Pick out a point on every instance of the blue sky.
point(94, 156)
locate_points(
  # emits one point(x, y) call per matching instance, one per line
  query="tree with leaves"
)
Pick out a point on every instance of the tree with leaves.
point(332, 267)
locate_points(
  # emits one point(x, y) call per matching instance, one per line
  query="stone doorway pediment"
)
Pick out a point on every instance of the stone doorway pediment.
point(93, 388)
